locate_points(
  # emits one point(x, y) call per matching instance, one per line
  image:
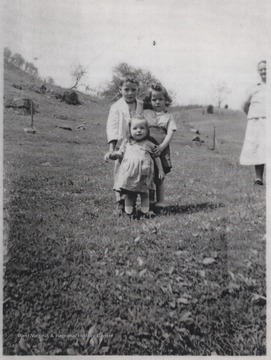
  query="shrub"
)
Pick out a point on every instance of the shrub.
point(210, 109)
point(71, 98)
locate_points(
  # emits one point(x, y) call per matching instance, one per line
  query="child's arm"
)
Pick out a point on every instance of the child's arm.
point(113, 155)
point(161, 174)
point(167, 140)
point(112, 145)
point(112, 127)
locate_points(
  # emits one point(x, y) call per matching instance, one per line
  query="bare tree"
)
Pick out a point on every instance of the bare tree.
point(221, 91)
point(77, 74)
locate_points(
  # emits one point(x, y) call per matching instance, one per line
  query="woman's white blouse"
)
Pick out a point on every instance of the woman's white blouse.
point(257, 102)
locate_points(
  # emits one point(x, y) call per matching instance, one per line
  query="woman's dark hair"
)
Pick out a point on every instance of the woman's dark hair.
point(156, 87)
point(262, 61)
point(138, 117)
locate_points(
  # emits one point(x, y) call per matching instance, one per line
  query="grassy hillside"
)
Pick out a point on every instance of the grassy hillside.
point(79, 280)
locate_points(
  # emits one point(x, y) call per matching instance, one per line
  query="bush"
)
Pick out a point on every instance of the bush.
point(71, 98)
point(210, 109)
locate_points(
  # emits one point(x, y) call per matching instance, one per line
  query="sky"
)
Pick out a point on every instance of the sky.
point(198, 43)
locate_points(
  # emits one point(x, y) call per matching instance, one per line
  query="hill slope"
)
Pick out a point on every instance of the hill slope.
point(79, 280)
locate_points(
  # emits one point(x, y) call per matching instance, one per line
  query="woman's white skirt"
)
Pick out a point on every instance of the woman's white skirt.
point(254, 146)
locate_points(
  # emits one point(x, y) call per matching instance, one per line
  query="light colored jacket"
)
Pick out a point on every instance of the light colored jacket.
point(118, 120)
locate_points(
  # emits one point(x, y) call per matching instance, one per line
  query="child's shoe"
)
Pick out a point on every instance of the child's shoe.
point(120, 208)
point(148, 215)
point(152, 206)
point(258, 182)
point(128, 216)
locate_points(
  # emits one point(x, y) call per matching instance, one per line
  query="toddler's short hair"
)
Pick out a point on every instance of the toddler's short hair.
point(156, 87)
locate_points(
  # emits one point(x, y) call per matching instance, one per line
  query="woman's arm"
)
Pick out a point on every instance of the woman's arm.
point(246, 104)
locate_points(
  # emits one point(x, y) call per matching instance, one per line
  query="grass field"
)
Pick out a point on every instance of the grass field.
point(79, 280)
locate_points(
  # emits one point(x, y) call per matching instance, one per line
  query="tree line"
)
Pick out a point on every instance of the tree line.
point(146, 78)
point(219, 91)
point(19, 62)
point(111, 89)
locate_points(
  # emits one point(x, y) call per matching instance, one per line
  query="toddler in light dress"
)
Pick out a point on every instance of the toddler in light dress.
point(136, 172)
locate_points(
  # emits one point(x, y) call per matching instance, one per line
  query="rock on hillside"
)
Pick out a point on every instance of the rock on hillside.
point(20, 89)
point(23, 105)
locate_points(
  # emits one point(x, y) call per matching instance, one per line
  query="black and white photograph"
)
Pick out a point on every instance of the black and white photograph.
point(135, 178)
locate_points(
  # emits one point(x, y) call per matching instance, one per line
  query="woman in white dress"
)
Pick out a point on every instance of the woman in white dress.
point(254, 147)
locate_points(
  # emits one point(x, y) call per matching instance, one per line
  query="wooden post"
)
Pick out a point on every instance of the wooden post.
point(214, 140)
point(31, 129)
point(32, 116)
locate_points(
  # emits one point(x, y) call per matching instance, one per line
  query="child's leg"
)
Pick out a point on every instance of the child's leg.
point(259, 169)
point(130, 199)
point(145, 203)
point(152, 198)
point(120, 197)
point(160, 193)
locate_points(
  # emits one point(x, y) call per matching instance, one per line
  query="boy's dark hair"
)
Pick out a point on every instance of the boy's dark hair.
point(156, 87)
point(129, 78)
point(138, 117)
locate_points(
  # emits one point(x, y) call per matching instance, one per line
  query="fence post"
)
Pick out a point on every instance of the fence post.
point(214, 140)
point(32, 115)
point(31, 129)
